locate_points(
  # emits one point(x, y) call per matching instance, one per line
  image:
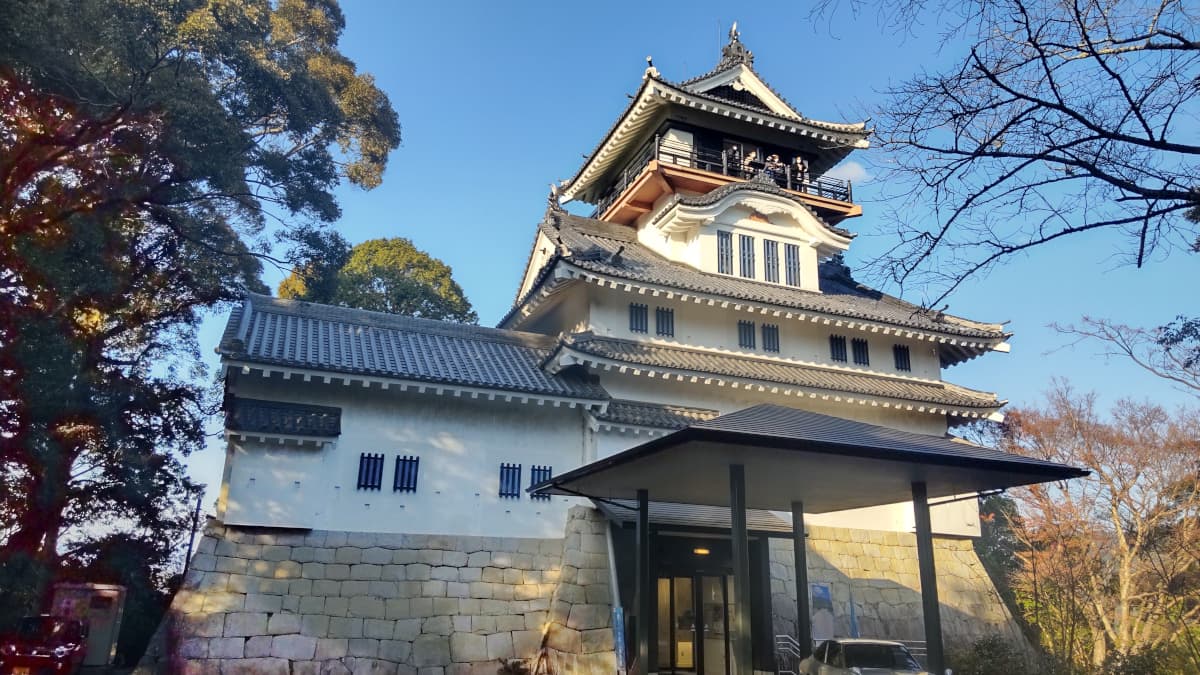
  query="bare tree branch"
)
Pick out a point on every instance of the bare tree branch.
point(1060, 118)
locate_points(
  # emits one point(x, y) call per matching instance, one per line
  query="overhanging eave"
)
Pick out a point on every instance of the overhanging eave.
point(830, 465)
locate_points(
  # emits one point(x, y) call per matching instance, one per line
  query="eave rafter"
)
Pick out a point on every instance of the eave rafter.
point(565, 272)
point(567, 357)
point(279, 439)
point(401, 385)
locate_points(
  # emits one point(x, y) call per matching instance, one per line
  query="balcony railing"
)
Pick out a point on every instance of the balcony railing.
point(666, 151)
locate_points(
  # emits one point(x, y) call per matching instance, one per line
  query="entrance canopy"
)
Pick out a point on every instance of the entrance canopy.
point(782, 459)
point(789, 455)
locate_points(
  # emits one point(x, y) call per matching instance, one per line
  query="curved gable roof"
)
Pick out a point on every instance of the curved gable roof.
point(311, 336)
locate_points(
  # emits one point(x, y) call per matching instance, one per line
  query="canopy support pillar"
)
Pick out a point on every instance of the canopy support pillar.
point(800, 560)
point(929, 591)
point(643, 598)
point(742, 655)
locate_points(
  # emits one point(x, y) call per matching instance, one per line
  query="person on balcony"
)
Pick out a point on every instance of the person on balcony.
point(733, 159)
point(749, 163)
point(774, 168)
point(800, 169)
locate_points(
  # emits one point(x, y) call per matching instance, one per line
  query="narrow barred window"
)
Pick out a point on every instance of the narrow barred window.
point(510, 481)
point(370, 471)
point(837, 348)
point(538, 474)
point(746, 243)
point(791, 262)
point(746, 334)
point(639, 320)
point(902, 359)
point(771, 260)
point(664, 321)
point(725, 252)
point(770, 335)
point(405, 479)
point(861, 355)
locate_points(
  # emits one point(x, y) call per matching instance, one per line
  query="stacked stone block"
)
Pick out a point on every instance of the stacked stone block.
point(579, 636)
point(347, 602)
point(879, 570)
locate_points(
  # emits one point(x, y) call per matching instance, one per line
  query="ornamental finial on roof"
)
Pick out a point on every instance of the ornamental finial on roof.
point(651, 71)
point(554, 207)
point(735, 52)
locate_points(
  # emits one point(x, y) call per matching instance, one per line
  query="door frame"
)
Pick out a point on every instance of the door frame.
point(698, 620)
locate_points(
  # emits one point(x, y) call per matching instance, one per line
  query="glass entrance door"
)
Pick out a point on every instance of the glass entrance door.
point(693, 624)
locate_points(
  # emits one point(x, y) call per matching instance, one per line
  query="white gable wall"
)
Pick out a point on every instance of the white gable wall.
point(688, 234)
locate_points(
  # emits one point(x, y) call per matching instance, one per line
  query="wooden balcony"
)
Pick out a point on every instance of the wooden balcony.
point(664, 166)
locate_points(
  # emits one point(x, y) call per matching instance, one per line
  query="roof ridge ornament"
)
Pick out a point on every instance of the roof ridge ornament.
point(765, 177)
point(554, 207)
point(735, 52)
point(651, 71)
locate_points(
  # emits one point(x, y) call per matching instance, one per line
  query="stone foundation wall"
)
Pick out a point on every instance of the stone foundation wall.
point(879, 569)
point(346, 602)
point(579, 635)
point(343, 602)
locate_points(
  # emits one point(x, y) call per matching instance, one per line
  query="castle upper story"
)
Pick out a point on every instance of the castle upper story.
point(725, 126)
point(715, 246)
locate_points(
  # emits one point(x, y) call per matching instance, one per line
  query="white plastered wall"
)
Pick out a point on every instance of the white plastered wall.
point(698, 325)
point(461, 443)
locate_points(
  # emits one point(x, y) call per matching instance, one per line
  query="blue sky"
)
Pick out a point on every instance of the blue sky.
point(499, 99)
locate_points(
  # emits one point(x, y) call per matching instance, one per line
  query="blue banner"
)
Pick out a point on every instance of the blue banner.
point(618, 626)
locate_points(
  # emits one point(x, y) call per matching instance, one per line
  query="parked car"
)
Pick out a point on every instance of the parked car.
point(44, 645)
point(845, 656)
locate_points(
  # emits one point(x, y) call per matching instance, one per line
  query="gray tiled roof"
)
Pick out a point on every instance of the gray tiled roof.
point(779, 372)
point(590, 244)
point(638, 413)
point(277, 417)
point(792, 424)
point(320, 337)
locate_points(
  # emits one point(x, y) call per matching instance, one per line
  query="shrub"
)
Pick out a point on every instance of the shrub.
point(990, 655)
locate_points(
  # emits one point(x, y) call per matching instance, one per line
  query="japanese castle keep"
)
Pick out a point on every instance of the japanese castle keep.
point(375, 512)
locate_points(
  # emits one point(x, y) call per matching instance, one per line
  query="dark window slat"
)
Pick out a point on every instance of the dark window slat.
point(791, 254)
point(539, 474)
point(407, 469)
point(746, 245)
point(771, 260)
point(724, 252)
point(862, 355)
point(770, 337)
point(664, 321)
point(510, 481)
point(639, 321)
point(370, 471)
point(746, 334)
point(837, 348)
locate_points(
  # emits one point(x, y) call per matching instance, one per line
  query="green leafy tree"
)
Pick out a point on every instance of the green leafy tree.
point(384, 275)
point(317, 255)
point(142, 144)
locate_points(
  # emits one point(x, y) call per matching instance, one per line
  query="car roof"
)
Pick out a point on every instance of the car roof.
point(867, 641)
